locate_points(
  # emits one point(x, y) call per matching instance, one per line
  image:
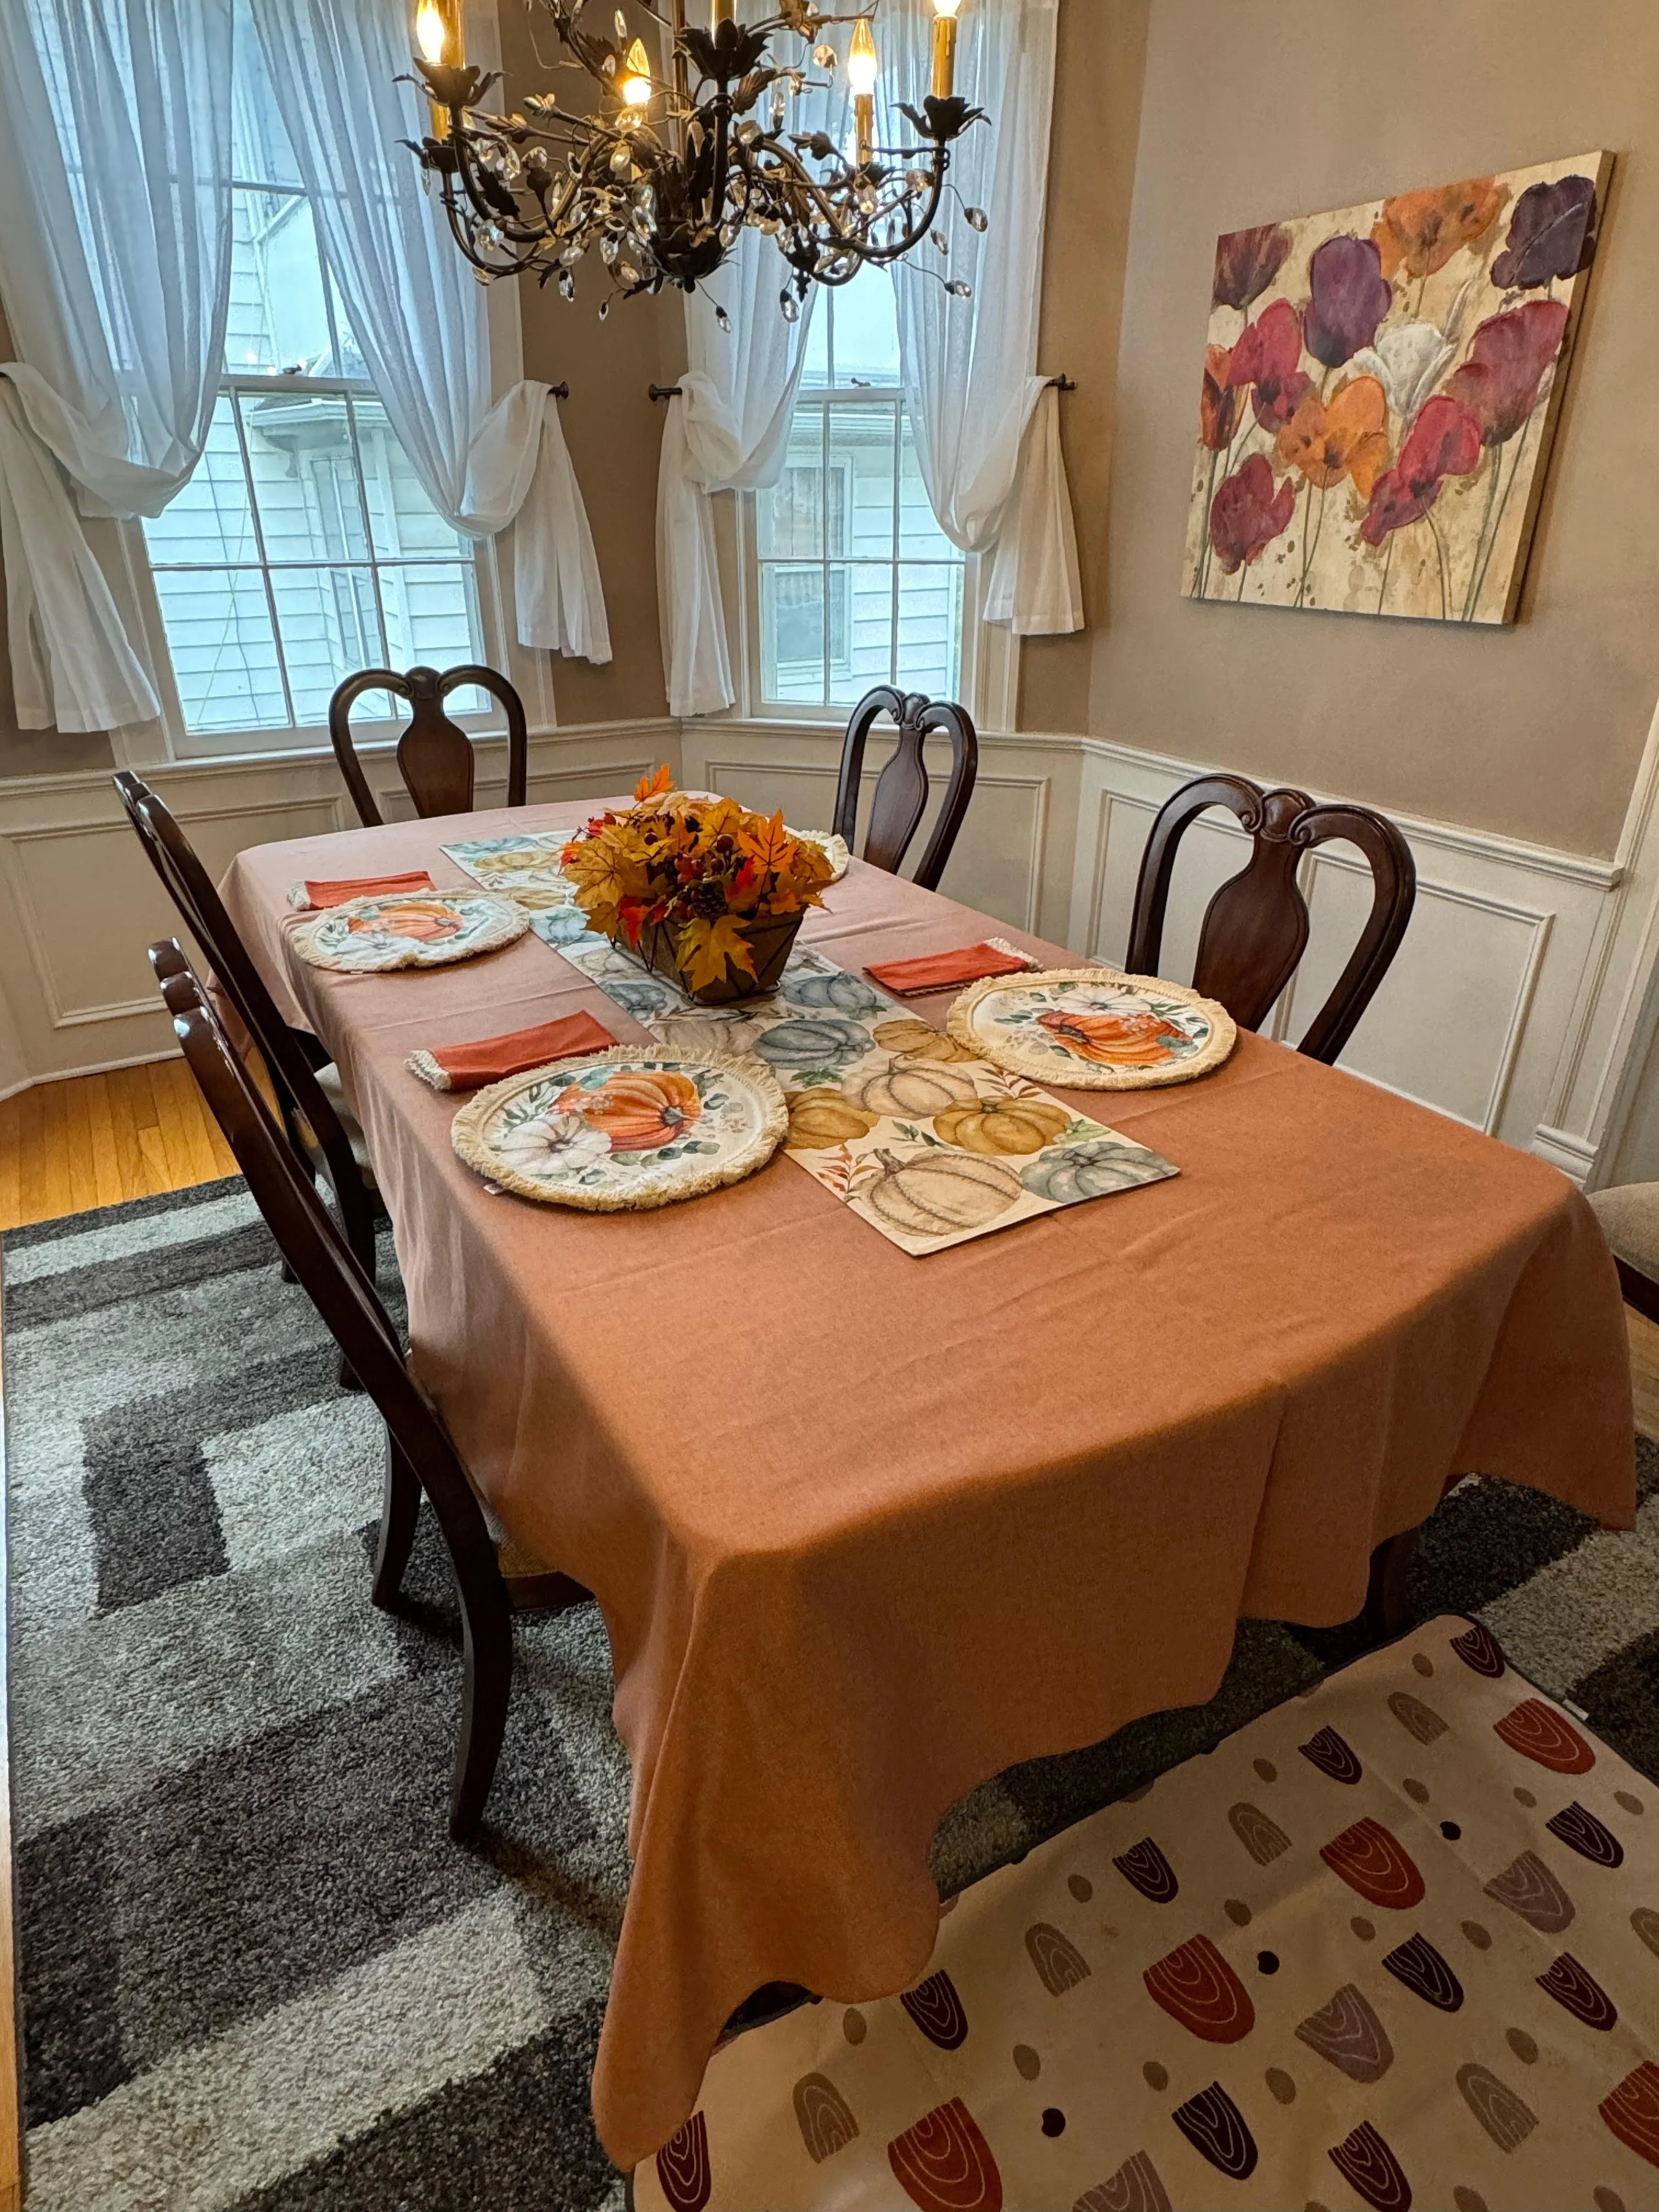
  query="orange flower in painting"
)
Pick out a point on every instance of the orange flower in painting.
point(1348, 437)
point(1116, 1040)
point(1218, 406)
point(638, 1111)
point(1420, 232)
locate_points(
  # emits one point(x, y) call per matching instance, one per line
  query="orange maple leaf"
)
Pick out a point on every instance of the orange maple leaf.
point(654, 787)
point(705, 947)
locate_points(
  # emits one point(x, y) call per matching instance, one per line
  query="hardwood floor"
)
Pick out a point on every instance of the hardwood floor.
point(98, 1140)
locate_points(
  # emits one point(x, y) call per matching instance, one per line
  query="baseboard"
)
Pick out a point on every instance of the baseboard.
point(1574, 1156)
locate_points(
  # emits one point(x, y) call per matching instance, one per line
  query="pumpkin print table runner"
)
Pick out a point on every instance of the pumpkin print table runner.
point(923, 1140)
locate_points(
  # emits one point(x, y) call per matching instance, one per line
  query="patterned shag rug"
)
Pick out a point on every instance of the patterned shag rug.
point(1394, 1942)
point(257, 1977)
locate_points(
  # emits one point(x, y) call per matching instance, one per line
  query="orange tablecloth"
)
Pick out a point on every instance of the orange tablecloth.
point(865, 1529)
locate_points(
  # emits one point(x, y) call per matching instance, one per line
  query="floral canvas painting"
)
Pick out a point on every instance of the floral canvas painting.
point(1380, 388)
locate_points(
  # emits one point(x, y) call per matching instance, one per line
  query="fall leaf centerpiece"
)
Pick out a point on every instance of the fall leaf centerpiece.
point(703, 890)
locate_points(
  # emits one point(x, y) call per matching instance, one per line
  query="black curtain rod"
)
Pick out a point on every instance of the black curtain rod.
point(672, 390)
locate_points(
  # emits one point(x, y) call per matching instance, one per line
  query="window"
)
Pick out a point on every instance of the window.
point(303, 547)
point(857, 583)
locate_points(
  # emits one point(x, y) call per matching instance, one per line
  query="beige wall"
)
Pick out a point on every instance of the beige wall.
point(1252, 112)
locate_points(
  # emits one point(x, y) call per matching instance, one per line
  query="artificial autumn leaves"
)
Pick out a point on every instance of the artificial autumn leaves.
point(1351, 386)
point(704, 866)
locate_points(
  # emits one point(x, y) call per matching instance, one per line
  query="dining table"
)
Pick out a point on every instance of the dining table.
point(867, 1528)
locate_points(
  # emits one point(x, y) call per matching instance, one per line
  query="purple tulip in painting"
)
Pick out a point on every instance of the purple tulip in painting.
point(1380, 388)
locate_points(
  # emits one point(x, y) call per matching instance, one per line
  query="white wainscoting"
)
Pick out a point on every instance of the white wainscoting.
point(79, 902)
point(1520, 1001)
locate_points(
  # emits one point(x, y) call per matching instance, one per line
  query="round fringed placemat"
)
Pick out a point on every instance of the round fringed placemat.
point(619, 1132)
point(1093, 1029)
point(412, 929)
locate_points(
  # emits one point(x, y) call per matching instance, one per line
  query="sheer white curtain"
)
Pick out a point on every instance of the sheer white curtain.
point(115, 232)
point(418, 314)
point(985, 425)
point(730, 430)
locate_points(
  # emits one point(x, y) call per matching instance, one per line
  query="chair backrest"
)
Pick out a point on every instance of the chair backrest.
point(203, 911)
point(435, 755)
point(1255, 927)
point(309, 1240)
point(901, 790)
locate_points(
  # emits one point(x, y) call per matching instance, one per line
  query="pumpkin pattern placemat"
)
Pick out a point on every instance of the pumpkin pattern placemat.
point(622, 1131)
point(1094, 1028)
point(927, 1143)
point(409, 929)
point(1395, 1943)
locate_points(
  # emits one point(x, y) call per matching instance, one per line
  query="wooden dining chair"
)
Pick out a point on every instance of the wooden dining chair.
point(1255, 927)
point(421, 1458)
point(321, 1130)
point(902, 788)
point(435, 755)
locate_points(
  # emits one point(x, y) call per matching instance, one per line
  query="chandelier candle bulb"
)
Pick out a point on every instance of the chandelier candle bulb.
point(944, 47)
point(636, 85)
point(438, 35)
point(863, 67)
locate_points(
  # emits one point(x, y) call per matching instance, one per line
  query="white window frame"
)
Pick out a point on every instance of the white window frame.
point(988, 681)
point(126, 557)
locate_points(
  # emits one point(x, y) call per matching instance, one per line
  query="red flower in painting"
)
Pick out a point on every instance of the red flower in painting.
point(1217, 404)
point(1444, 441)
point(1246, 263)
point(1247, 514)
point(1268, 355)
point(1498, 383)
point(1350, 296)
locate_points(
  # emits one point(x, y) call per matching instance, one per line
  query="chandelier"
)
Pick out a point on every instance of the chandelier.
point(662, 177)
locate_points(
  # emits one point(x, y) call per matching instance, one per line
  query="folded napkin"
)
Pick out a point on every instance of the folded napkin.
point(338, 891)
point(940, 971)
point(492, 1059)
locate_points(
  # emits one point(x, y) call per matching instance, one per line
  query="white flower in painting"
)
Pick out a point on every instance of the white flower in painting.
point(552, 1144)
point(1409, 359)
point(1407, 362)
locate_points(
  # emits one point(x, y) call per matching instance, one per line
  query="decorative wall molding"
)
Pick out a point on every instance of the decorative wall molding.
point(1521, 1001)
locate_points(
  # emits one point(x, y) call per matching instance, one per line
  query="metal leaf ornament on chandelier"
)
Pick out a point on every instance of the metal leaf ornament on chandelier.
point(661, 178)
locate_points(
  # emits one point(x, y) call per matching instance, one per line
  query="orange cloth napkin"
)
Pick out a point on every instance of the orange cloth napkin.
point(338, 891)
point(940, 971)
point(492, 1059)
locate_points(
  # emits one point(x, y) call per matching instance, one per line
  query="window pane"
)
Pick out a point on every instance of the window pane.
point(259, 149)
point(211, 518)
point(815, 369)
point(790, 517)
point(860, 486)
point(224, 658)
point(920, 538)
point(791, 632)
point(861, 628)
point(402, 517)
point(432, 622)
point(278, 314)
point(305, 477)
point(330, 630)
point(864, 341)
point(929, 628)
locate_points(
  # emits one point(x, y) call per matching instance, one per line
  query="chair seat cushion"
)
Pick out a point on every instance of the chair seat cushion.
point(328, 1082)
point(1630, 1221)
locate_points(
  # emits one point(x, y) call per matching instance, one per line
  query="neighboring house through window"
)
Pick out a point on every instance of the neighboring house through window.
point(857, 584)
point(304, 547)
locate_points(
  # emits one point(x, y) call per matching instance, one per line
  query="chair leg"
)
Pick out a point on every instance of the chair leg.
point(400, 1510)
point(1387, 1607)
point(487, 1626)
point(288, 1273)
point(346, 1375)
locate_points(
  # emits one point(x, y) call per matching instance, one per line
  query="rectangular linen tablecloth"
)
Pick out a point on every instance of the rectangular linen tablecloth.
point(865, 1529)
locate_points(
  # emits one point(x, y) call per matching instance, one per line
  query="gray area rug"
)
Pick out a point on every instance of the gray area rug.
point(255, 1974)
